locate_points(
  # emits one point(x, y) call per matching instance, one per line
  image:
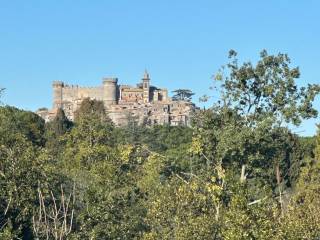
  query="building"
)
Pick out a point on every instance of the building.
point(144, 102)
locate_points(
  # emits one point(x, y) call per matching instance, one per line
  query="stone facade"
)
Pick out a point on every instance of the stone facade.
point(145, 103)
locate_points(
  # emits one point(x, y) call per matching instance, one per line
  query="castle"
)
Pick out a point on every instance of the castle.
point(144, 103)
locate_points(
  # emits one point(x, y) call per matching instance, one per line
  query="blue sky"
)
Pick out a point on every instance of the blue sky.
point(182, 43)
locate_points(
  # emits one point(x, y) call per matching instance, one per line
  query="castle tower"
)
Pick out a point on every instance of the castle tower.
point(110, 91)
point(57, 87)
point(146, 87)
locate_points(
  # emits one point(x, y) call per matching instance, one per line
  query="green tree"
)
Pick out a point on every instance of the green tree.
point(13, 121)
point(184, 208)
point(91, 107)
point(55, 130)
point(246, 217)
point(22, 170)
point(266, 89)
point(301, 219)
point(60, 124)
point(92, 124)
point(182, 95)
point(263, 96)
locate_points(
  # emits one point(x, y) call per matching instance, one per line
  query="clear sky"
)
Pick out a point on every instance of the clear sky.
point(182, 43)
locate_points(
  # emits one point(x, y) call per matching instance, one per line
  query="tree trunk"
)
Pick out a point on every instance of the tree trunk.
point(243, 173)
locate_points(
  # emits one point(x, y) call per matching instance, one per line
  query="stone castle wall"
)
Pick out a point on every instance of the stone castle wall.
point(73, 93)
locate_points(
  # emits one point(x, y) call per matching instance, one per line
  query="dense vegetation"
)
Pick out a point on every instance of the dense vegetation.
point(237, 173)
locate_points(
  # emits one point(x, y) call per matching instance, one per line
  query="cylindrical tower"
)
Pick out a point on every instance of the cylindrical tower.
point(110, 91)
point(57, 94)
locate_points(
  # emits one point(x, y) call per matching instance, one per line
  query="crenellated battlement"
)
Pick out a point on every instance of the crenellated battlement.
point(56, 84)
point(67, 86)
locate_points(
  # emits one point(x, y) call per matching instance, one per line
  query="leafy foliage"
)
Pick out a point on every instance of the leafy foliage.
point(267, 88)
point(28, 124)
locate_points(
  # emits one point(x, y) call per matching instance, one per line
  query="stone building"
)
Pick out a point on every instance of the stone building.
point(147, 104)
